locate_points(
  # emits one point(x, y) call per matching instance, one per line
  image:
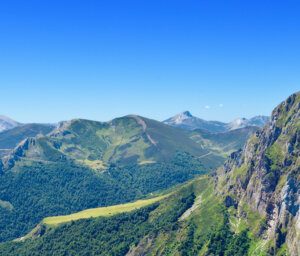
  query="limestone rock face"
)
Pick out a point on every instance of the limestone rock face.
point(266, 176)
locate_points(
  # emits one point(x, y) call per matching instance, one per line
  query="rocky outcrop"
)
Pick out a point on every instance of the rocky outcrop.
point(9, 161)
point(266, 176)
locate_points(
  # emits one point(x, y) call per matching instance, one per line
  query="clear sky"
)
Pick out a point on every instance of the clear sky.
point(103, 59)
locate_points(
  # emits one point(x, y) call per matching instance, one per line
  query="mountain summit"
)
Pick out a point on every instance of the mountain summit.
point(244, 122)
point(182, 116)
point(187, 121)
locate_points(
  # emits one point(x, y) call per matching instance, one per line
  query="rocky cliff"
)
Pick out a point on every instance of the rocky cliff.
point(264, 179)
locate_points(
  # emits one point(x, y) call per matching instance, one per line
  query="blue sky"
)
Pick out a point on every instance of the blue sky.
point(102, 59)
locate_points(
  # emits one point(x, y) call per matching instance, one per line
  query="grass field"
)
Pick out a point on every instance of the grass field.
point(115, 209)
point(102, 211)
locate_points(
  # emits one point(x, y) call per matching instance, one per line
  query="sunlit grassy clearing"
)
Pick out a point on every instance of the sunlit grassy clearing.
point(102, 211)
point(147, 162)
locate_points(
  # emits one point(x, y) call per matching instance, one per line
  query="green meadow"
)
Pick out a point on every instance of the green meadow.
point(101, 211)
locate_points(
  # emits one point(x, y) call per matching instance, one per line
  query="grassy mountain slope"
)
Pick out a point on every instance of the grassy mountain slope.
point(86, 164)
point(250, 206)
point(10, 138)
point(183, 223)
point(101, 211)
point(125, 141)
point(113, 235)
point(35, 189)
point(226, 142)
point(257, 194)
point(122, 141)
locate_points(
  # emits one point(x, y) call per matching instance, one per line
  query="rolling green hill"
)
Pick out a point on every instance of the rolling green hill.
point(33, 190)
point(111, 235)
point(123, 141)
point(87, 164)
point(183, 223)
point(226, 142)
point(126, 141)
point(249, 206)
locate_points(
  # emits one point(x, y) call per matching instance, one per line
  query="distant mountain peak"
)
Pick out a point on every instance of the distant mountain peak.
point(187, 121)
point(7, 123)
point(237, 123)
point(187, 113)
point(243, 122)
point(179, 118)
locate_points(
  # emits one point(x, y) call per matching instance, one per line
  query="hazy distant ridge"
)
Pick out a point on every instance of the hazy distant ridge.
point(7, 123)
point(187, 121)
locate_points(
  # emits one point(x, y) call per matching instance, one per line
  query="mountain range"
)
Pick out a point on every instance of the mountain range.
point(102, 163)
point(127, 140)
point(187, 121)
point(249, 206)
point(77, 189)
point(12, 132)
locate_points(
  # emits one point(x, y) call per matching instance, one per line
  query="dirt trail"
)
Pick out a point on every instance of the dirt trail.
point(204, 155)
point(188, 212)
point(143, 124)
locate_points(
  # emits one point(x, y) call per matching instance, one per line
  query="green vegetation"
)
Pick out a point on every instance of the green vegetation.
point(286, 112)
point(105, 235)
point(85, 173)
point(171, 139)
point(205, 232)
point(240, 173)
point(10, 138)
point(226, 142)
point(101, 211)
point(87, 164)
point(129, 140)
point(253, 218)
point(37, 190)
point(224, 242)
point(123, 141)
point(275, 156)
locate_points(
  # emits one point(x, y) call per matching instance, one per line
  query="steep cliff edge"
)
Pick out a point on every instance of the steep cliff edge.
point(264, 179)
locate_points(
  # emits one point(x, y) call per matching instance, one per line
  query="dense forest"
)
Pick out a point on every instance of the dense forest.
point(40, 190)
point(118, 234)
point(104, 236)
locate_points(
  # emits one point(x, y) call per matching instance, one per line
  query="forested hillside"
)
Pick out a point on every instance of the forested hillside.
point(85, 164)
point(249, 206)
point(37, 190)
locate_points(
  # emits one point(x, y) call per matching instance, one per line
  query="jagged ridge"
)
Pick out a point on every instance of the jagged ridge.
point(264, 178)
point(187, 121)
